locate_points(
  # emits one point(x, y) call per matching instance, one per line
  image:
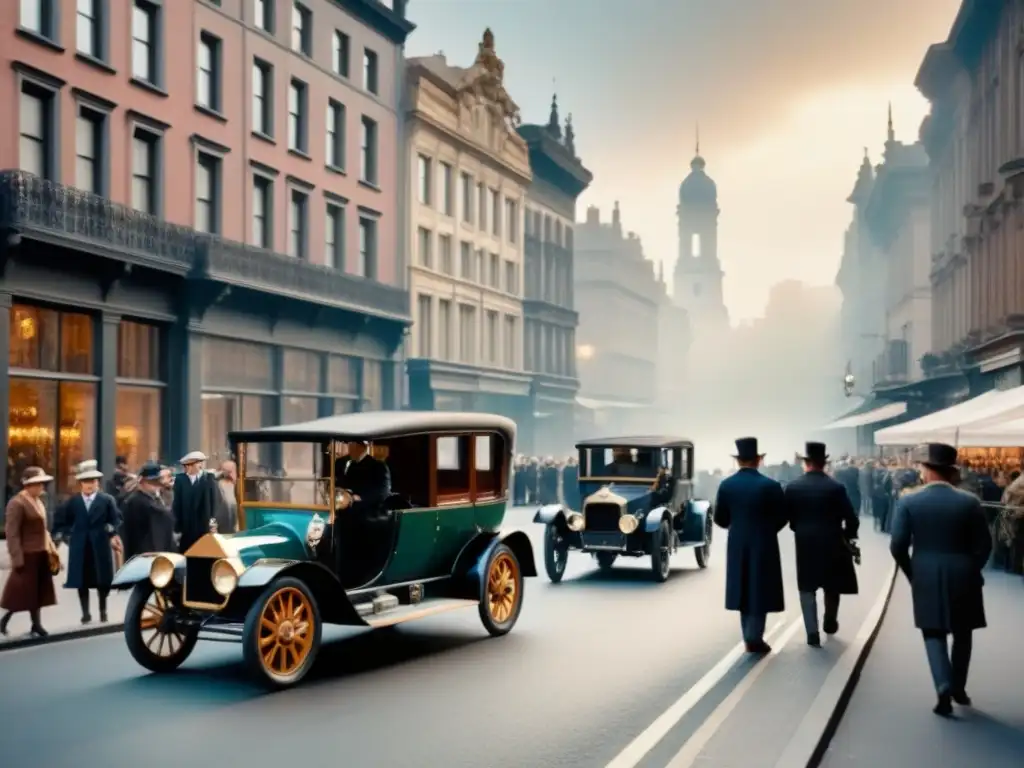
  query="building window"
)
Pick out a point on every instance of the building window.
point(466, 189)
point(343, 382)
point(492, 337)
point(481, 207)
point(371, 76)
point(373, 385)
point(494, 273)
point(695, 245)
point(262, 212)
point(302, 38)
point(38, 16)
point(425, 169)
point(144, 41)
point(335, 134)
point(340, 53)
point(207, 186)
point(89, 150)
point(367, 266)
point(145, 146)
point(88, 38)
point(511, 278)
point(262, 97)
point(423, 247)
point(334, 245)
point(208, 72)
point(480, 269)
point(297, 134)
point(263, 14)
point(495, 213)
point(510, 341)
point(36, 126)
point(424, 330)
point(447, 198)
point(512, 219)
point(466, 260)
point(368, 155)
point(230, 367)
point(444, 250)
point(139, 393)
point(298, 224)
point(444, 329)
point(467, 333)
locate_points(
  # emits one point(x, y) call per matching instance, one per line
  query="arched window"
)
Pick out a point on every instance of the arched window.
point(695, 245)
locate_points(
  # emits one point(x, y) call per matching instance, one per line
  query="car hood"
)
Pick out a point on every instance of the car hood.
point(274, 540)
point(636, 495)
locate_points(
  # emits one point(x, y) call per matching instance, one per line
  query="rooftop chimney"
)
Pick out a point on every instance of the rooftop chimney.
point(593, 215)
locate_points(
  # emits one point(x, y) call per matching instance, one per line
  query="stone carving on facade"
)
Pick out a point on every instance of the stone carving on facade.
point(484, 84)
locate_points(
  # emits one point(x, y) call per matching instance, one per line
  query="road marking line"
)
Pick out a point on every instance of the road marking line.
point(637, 749)
point(691, 750)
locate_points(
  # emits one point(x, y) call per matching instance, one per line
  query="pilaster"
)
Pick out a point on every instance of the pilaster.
point(183, 412)
point(107, 400)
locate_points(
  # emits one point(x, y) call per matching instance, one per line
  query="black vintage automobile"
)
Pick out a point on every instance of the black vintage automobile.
point(638, 500)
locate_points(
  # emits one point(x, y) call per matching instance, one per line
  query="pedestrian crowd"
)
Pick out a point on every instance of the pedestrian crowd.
point(153, 510)
point(547, 481)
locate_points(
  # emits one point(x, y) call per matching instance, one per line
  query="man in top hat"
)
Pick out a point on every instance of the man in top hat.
point(753, 508)
point(364, 477)
point(148, 523)
point(946, 529)
point(824, 523)
point(89, 521)
point(194, 502)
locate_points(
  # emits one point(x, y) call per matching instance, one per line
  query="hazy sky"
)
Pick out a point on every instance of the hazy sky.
point(787, 93)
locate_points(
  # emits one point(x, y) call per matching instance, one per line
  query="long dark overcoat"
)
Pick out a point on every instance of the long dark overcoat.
point(945, 527)
point(753, 508)
point(88, 534)
point(823, 520)
point(194, 504)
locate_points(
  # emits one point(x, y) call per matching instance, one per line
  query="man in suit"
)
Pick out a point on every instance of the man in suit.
point(753, 508)
point(194, 500)
point(148, 523)
point(361, 484)
point(824, 522)
point(946, 529)
point(364, 477)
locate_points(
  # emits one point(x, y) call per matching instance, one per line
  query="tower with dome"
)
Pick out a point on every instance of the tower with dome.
point(697, 280)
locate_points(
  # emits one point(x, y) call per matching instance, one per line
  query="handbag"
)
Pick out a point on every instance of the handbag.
point(53, 557)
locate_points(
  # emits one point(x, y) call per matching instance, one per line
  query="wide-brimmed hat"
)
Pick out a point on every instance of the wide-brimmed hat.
point(746, 449)
point(814, 452)
point(937, 456)
point(34, 476)
point(192, 458)
point(88, 470)
point(150, 471)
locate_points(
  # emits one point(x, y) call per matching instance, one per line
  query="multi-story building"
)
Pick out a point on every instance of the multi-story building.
point(549, 318)
point(467, 192)
point(618, 297)
point(186, 248)
point(974, 137)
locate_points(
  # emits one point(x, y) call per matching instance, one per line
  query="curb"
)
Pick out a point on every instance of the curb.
point(60, 637)
point(813, 736)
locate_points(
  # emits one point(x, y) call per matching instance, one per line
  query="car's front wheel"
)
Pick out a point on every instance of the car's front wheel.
point(661, 552)
point(155, 640)
point(556, 552)
point(281, 636)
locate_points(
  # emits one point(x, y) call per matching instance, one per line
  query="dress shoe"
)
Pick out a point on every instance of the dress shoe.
point(831, 626)
point(814, 640)
point(759, 647)
point(38, 631)
point(944, 707)
point(961, 698)
point(4, 622)
point(103, 616)
point(86, 618)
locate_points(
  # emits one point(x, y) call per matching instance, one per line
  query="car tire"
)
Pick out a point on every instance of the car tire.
point(661, 552)
point(156, 650)
point(703, 553)
point(282, 632)
point(501, 591)
point(605, 560)
point(556, 552)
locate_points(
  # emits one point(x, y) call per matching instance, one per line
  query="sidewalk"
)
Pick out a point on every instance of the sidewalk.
point(889, 721)
point(65, 617)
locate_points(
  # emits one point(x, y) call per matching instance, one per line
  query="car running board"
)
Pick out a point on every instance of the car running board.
point(403, 613)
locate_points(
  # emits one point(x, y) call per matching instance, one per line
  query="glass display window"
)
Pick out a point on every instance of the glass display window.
point(301, 371)
point(34, 338)
point(138, 430)
point(373, 385)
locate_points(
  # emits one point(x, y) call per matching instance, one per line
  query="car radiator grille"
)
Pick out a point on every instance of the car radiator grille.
point(602, 517)
point(199, 581)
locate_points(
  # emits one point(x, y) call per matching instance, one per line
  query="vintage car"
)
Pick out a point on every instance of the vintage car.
point(638, 500)
point(303, 557)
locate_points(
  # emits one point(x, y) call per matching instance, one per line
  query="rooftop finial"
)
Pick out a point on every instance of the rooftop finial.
point(696, 150)
point(892, 132)
point(554, 126)
point(570, 135)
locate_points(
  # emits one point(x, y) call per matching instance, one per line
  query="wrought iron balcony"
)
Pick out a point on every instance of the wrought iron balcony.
point(61, 215)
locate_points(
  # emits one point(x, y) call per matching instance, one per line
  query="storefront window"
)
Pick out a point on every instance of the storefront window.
point(237, 364)
point(77, 431)
point(343, 383)
point(344, 405)
point(298, 457)
point(31, 432)
point(76, 346)
point(34, 338)
point(223, 414)
point(138, 424)
point(373, 385)
point(138, 351)
point(301, 371)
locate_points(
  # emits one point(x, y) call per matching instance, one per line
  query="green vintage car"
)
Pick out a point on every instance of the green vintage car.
point(306, 554)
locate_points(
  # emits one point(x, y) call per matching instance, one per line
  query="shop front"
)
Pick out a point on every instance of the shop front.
point(554, 416)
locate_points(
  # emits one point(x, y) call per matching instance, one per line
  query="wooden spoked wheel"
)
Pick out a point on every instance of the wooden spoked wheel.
point(502, 596)
point(161, 642)
point(282, 632)
point(154, 638)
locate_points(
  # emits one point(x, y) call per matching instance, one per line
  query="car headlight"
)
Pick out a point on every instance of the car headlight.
point(628, 524)
point(161, 571)
point(224, 577)
point(575, 522)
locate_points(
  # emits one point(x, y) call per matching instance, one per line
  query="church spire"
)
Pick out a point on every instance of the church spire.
point(891, 134)
point(696, 150)
point(554, 125)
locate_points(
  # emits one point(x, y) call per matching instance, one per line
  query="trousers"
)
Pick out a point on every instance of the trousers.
point(752, 625)
point(809, 609)
point(949, 668)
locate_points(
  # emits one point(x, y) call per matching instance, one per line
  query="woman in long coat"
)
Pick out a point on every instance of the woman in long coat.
point(30, 584)
point(88, 522)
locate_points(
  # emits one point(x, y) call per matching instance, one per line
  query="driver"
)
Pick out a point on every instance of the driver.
point(366, 478)
point(622, 464)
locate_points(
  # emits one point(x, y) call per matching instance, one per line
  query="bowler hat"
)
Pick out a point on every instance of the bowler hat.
point(150, 471)
point(814, 452)
point(35, 476)
point(746, 449)
point(938, 456)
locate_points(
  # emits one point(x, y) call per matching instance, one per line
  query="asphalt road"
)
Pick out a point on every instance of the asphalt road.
point(592, 662)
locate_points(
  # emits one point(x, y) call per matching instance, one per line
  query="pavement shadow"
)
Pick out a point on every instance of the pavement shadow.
point(625, 578)
point(1000, 742)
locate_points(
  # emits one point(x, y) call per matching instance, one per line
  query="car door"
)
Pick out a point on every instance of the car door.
point(456, 513)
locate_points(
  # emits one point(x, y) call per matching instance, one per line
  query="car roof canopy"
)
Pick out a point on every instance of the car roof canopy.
point(380, 425)
point(636, 441)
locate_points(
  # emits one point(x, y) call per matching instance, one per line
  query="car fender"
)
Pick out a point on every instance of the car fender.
point(468, 572)
point(694, 522)
point(654, 518)
point(550, 513)
point(335, 605)
point(137, 569)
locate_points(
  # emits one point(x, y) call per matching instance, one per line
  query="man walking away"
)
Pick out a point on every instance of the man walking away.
point(824, 523)
point(946, 528)
point(752, 508)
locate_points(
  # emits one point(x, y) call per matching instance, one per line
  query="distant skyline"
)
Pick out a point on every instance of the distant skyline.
point(787, 94)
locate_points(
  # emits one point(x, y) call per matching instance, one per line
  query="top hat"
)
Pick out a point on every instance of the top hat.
point(195, 457)
point(746, 449)
point(88, 470)
point(34, 476)
point(938, 456)
point(150, 471)
point(814, 452)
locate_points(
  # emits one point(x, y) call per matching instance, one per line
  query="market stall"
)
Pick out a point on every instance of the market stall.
point(946, 426)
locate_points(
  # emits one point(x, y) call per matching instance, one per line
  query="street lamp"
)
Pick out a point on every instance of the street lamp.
point(584, 352)
point(849, 381)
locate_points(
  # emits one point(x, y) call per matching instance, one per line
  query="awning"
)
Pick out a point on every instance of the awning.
point(1007, 405)
point(939, 427)
point(861, 418)
point(600, 405)
point(1009, 434)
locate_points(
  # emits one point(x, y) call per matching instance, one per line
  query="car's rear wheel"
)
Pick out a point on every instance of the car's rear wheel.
point(661, 552)
point(556, 552)
point(281, 637)
point(154, 639)
point(502, 588)
point(703, 554)
point(605, 560)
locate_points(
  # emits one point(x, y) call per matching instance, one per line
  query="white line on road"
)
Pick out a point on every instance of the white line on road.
point(656, 731)
point(691, 750)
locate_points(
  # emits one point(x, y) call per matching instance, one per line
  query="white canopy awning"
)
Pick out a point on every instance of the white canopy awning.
point(941, 426)
point(1007, 405)
point(1009, 434)
point(875, 415)
point(598, 405)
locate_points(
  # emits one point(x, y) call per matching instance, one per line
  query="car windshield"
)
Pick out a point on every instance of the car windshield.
point(287, 473)
point(625, 463)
